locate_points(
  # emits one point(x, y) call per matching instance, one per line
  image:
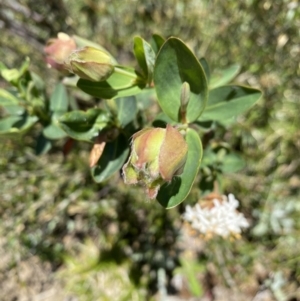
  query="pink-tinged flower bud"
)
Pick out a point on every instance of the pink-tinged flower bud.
point(57, 51)
point(90, 63)
point(157, 155)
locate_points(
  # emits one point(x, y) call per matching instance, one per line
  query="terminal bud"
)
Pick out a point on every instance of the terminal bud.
point(157, 155)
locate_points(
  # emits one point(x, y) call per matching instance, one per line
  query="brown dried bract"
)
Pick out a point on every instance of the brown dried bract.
point(97, 149)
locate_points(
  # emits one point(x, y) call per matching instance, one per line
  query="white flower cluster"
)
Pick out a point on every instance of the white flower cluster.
point(221, 219)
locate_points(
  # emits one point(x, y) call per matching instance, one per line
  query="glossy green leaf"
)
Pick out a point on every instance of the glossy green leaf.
point(176, 64)
point(59, 99)
point(229, 101)
point(172, 194)
point(156, 42)
point(205, 67)
point(16, 124)
point(10, 103)
point(222, 77)
point(145, 57)
point(127, 110)
point(123, 82)
point(82, 125)
point(114, 155)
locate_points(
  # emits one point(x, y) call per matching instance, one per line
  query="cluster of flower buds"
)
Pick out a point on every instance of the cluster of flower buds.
point(216, 216)
point(157, 155)
point(88, 62)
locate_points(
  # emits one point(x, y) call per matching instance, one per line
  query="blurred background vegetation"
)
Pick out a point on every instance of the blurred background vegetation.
point(63, 237)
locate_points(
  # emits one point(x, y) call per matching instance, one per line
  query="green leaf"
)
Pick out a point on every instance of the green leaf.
point(146, 99)
point(127, 110)
point(38, 82)
point(10, 103)
point(114, 155)
point(13, 75)
point(59, 99)
point(223, 77)
point(10, 75)
point(16, 124)
point(124, 108)
point(226, 122)
point(176, 64)
point(7, 123)
point(123, 82)
point(58, 105)
point(172, 194)
point(25, 66)
point(205, 67)
point(156, 42)
point(82, 125)
point(54, 132)
point(229, 101)
point(232, 163)
point(209, 157)
point(145, 57)
point(43, 145)
point(204, 126)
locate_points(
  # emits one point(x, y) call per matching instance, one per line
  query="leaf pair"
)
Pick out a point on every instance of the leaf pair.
point(176, 64)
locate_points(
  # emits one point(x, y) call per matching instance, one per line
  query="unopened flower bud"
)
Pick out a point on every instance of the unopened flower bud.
point(185, 94)
point(90, 63)
point(57, 50)
point(184, 100)
point(157, 155)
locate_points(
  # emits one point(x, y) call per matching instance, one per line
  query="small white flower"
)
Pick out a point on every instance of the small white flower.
point(221, 218)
